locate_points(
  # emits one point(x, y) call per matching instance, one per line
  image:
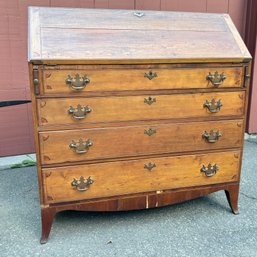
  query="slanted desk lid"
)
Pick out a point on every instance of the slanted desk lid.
point(63, 35)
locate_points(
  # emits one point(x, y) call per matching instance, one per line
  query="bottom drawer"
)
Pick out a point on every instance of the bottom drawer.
point(127, 177)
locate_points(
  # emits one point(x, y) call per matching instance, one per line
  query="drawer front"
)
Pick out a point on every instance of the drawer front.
point(103, 143)
point(128, 108)
point(145, 175)
point(89, 80)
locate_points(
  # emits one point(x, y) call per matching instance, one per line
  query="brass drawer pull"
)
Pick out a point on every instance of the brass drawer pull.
point(150, 75)
point(216, 79)
point(80, 146)
point(149, 166)
point(150, 132)
point(77, 82)
point(209, 170)
point(212, 136)
point(79, 112)
point(82, 184)
point(213, 106)
point(150, 100)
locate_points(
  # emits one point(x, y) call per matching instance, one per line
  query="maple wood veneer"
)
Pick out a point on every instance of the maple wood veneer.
point(144, 107)
point(135, 110)
point(138, 140)
point(119, 78)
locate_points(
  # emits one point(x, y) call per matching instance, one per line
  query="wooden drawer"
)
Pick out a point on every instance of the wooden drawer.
point(55, 146)
point(145, 107)
point(111, 79)
point(127, 177)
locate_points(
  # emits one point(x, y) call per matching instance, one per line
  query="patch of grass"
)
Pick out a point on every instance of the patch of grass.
point(25, 163)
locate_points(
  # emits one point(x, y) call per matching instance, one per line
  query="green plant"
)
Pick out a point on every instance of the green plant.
point(25, 163)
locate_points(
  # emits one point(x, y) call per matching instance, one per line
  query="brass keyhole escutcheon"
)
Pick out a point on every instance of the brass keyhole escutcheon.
point(150, 100)
point(150, 75)
point(139, 14)
point(149, 166)
point(150, 132)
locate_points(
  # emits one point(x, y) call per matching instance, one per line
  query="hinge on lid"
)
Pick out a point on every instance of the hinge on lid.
point(247, 75)
point(36, 81)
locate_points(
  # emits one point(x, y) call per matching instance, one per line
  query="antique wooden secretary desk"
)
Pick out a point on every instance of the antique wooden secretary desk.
point(135, 110)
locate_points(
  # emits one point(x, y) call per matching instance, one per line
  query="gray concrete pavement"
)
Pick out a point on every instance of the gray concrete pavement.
point(201, 227)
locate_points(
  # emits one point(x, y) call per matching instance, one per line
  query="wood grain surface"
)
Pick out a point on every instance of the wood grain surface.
point(167, 138)
point(129, 108)
point(107, 37)
point(125, 177)
point(120, 19)
point(120, 79)
point(147, 148)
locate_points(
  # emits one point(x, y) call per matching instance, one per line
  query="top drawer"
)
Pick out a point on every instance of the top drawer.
point(61, 80)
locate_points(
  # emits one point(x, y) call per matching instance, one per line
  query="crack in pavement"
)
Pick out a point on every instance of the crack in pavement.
point(248, 196)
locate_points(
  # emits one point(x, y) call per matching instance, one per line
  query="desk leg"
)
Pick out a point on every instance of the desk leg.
point(232, 193)
point(47, 217)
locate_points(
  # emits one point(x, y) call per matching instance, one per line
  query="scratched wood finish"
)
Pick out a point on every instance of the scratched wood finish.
point(113, 35)
point(111, 79)
point(110, 109)
point(119, 178)
point(166, 138)
point(114, 48)
point(119, 19)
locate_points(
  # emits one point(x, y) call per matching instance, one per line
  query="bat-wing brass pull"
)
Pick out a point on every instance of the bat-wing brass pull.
point(213, 106)
point(150, 75)
point(212, 136)
point(81, 146)
point(210, 170)
point(79, 112)
point(149, 166)
point(82, 184)
point(150, 100)
point(216, 79)
point(77, 82)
